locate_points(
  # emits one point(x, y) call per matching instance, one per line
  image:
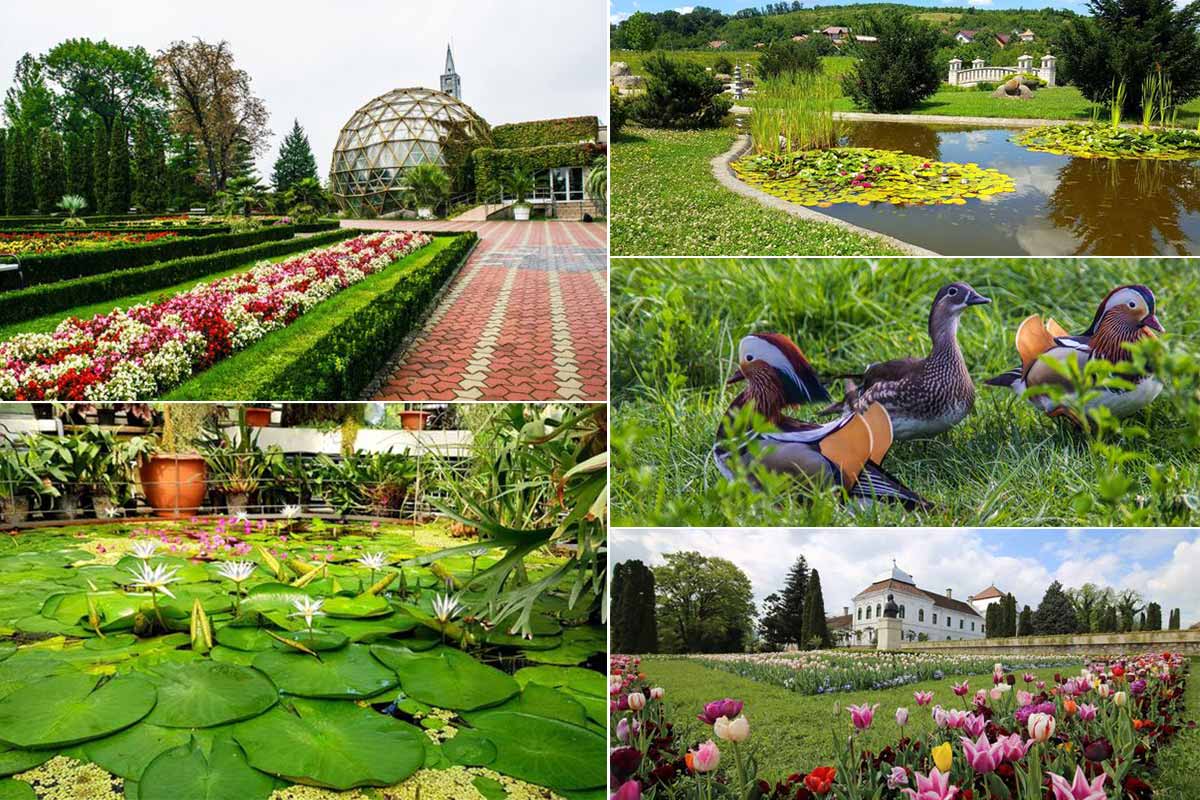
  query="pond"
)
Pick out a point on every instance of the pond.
point(1062, 205)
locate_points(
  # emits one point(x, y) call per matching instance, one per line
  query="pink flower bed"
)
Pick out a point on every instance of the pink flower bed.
point(147, 349)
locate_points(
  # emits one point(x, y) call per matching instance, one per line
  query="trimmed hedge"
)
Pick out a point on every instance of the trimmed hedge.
point(191, 230)
point(37, 301)
point(492, 165)
point(20, 221)
point(52, 268)
point(541, 132)
point(335, 350)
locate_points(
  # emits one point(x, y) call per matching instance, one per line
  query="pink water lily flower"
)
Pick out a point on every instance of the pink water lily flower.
point(1079, 789)
point(935, 786)
point(862, 716)
point(982, 755)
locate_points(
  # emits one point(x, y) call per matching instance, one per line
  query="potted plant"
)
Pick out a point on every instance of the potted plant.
point(427, 185)
point(258, 416)
point(519, 185)
point(173, 476)
point(112, 482)
point(413, 419)
point(20, 482)
point(75, 462)
point(236, 469)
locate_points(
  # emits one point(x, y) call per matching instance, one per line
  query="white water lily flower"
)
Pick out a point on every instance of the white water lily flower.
point(241, 516)
point(236, 571)
point(477, 552)
point(446, 607)
point(373, 561)
point(290, 512)
point(112, 512)
point(155, 579)
point(145, 549)
point(308, 607)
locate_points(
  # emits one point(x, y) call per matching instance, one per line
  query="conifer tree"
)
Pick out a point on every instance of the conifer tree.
point(18, 173)
point(295, 161)
point(1025, 623)
point(1153, 617)
point(3, 165)
point(78, 165)
point(49, 176)
point(149, 168)
point(1109, 622)
point(815, 631)
point(99, 167)
point(633, 619)
point(117, 194)
point(795, 589)
point(991, 621)
point(1055, 614)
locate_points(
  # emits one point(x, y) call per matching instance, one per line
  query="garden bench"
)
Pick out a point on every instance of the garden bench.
point(197, 212)
point(11, 276)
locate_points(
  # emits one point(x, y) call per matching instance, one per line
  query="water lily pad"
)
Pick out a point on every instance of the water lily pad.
point(129, 752)
point(185, 773)
point(227, 655)
point(544, 751)
point(7, 649)
point(582, 680)
point(117, 641)
point(540, 701)
point(206, 693)
point(73, 708)
point(316, 640)
point(349, 673)
point(241, 637)
point(16, 790)
point(449, 678)
point(361, 607)
point(13, 761)
point(470, 748)
point(579, 644)
point(333, 744)
point(372, 629)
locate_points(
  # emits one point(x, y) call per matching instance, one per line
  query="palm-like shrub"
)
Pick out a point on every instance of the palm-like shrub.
point(243, 194)
point(597, 184)
point(427, 184)
point(72, 204)
point(519, 184)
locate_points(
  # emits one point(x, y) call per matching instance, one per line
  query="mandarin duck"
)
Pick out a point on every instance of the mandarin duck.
point(1126, 314)
point(846, 452)
point(923, 396)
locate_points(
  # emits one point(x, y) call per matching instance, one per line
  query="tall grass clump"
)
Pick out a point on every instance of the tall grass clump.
point(795, 112)
point(1117, 102)
point(1157, 101)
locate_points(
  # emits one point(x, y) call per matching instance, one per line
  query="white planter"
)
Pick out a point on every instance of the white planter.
point(425, 212)
point(521, 212)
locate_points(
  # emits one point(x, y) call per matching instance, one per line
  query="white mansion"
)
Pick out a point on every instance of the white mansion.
point(936, 615)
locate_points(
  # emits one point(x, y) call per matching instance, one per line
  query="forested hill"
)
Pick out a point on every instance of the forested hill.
point(670, 30)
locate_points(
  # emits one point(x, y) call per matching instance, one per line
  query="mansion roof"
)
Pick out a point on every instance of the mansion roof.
point(939, 600)
point(840, 621)
point(987, 594)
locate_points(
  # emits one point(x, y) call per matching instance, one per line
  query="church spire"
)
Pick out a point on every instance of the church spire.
point(451, 84)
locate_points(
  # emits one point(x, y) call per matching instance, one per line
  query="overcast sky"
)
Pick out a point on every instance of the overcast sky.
point(319, 61)
point(1162, 565)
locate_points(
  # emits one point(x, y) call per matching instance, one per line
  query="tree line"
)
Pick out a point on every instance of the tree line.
point(123, 128)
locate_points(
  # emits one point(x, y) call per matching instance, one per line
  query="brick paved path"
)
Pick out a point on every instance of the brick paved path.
point(526, 318)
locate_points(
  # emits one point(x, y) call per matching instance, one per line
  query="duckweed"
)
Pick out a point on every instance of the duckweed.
point(864, 176)
point(1105, 141)
point(64, 778)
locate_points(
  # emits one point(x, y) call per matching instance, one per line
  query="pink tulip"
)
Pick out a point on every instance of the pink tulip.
point(923, 698)
point(935, 786)
point(962, 689)
point(1087, 712)
point(1023, 698)
point(862, 716)
point(897, 778)
point(982, 755)
point(953, 718)
point(657, 693)
point(630, 790)
point(706, 757)
point(901, 717)
point(1079, 789)
point(974, 724)
point(1014, 748)
point(623, 730)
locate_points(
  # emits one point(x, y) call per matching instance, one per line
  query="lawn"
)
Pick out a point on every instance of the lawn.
point(665, 201)
point(675, 328)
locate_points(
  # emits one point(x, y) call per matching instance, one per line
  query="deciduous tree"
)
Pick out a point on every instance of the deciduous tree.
point(105, 79)
point(705, 604)
point(29, 103)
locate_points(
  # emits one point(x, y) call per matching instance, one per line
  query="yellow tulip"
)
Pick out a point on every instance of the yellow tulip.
point(943, 756)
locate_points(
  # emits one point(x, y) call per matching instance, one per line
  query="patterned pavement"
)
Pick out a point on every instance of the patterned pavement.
point(526, 318)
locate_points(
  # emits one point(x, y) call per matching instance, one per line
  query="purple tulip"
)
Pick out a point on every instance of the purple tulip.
point(1137, 687)
point(630, 790)
point(713, 711)
point(623, 730)
point(1014, 748)
point(901, 718)
point(897, 778)
point(1087, 712)
point(974, 724)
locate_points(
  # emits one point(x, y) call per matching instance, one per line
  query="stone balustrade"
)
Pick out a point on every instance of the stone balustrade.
point(979, 72)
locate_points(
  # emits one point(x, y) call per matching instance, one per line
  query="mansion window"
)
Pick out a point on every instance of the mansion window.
point(868, 612)
point(947, 620)
point(972, 626)
point(935, 618)
point(960, 624)
point(920, 615)
point(878, 610)
point(860, 613)
point(901, 612)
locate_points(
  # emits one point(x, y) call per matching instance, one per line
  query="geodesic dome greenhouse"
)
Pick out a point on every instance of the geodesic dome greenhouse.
point(400, 129)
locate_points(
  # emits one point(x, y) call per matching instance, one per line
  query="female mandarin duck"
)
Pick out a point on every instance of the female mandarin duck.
point(846, 452)
point(1126, 314)
point(923, 396)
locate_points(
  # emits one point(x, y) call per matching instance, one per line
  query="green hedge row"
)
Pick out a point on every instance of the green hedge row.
point(191, 230)
point(336, 349)
point(538, 133)
point(18, 221)
point(492, 165)
point(52, 268)
point(37, 301)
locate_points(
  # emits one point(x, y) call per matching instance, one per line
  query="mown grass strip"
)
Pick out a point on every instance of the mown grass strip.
point(334, 350)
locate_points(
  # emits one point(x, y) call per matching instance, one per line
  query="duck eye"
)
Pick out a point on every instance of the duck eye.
point(952, 291)
point(1132, 304)
point(749, 358)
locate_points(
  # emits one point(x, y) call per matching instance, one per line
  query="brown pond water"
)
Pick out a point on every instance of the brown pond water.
point(1062, 205)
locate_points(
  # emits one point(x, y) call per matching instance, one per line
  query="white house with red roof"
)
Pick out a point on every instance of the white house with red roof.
point(937, 615)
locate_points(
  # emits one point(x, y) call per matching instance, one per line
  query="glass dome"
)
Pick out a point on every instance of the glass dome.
point(402, 128)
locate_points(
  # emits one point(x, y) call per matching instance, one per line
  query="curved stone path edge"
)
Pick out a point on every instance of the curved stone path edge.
point(722, 168)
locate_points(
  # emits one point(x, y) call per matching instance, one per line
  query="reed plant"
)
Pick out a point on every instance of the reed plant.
point(1117, 102)
point(794, 113)
point(1158, 104)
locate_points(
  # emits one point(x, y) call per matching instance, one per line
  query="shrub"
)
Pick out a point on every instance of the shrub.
point(679, 94)
point(492, 165)
point(618, 111)
point(900, 70)
point(303, 214)
point(985, 86)
point(722, 66)
point(785, 57)
point(34, 301)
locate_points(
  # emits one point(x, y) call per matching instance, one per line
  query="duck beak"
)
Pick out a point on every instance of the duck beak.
point(976, 299)
point(1153, 324)
point(737, 375)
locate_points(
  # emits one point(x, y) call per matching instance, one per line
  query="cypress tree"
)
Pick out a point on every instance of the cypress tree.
point(815, 631)
point(1055, 614)
point(1108, 622)
point(149, 168)
point(1010, 615)
point(1173, 624)
point(633, 617)
point(795, 589)
point(99, 167)
point(3, 165)
point(295, 161)
point(18, 173)
point(49, 176)
point(78, 165)
point(1153, 617)
point(991, 621)
point(1025, 623)
point(116, 196)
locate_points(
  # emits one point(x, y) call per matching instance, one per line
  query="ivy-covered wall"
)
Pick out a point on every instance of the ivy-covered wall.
point(492, 164)
point(542, 132)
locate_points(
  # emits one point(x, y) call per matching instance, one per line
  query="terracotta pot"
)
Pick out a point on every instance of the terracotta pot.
point(258, 417)
point(174, 484)
point(413, 420)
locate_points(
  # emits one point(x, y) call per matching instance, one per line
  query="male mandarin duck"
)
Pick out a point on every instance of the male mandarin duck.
point(1126, 314)
point(923, 396)
point(846, 452)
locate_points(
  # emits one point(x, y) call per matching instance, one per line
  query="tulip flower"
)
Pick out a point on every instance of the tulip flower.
point(943, 756)
point(1070, 707)
point(1104, 690)
point(1079, 789)
point(739, 730)
point(704, 758)
point(637, 701)
point(1098, 751)
point(1087, 712)
point(862, 716)
point(962, 689)
point(630, 790)
point(923, 698)
point(974, 724)
point(657, 693)
point(1015, 748)
point(1041, 727)
point(1119, 699)
point(623, 731)
point(1137, 687)
point(1024, 698)
point(820, 780)
point(935, 786)
point(982, 755)
point(901, 717)
point(897, 778)
point(720, 708)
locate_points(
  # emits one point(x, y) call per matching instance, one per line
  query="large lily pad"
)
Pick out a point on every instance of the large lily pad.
point(372, 629)
point(73, 708)
point(202, 694)
point(185, 773)
point(582, 680)
point(16, 790)
point(361, 607)
point(129, 752)
point(578, 645)
point(544, 751)
point(449, 678)
point(347, 673)
point(333, 744)
point(244, 637)
point(470, 748)
point(13, 761)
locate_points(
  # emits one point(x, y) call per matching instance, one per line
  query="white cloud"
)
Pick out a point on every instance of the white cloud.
point(685, 9)
point(979, 2)
point(617, 17)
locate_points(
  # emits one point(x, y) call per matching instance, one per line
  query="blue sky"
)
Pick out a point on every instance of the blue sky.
point(619, 9)
point(1161, 564)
